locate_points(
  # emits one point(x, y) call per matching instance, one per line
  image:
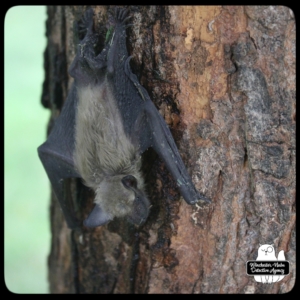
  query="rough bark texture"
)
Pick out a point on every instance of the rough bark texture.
point(224, 80)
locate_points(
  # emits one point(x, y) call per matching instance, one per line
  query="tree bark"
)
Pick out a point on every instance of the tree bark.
point(224, 80)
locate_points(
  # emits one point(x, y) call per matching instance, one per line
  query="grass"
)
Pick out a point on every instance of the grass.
point(27, 190)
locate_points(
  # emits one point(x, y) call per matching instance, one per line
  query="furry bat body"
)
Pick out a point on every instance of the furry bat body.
point(107, 122)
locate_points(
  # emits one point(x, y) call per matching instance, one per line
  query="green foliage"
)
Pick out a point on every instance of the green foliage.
point(27, 190)
point(108, 35)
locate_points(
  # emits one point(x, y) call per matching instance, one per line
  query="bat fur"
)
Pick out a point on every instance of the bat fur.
point(104, 154)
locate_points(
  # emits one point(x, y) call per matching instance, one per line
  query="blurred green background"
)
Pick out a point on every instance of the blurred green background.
point(27, 190)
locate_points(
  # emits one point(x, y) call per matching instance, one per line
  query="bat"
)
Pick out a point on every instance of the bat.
point(106, 123)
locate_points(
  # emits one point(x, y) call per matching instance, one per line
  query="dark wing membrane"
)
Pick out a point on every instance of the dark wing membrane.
point(154, 132)
point(56, 153)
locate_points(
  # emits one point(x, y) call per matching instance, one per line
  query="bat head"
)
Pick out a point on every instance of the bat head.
point(119, 196)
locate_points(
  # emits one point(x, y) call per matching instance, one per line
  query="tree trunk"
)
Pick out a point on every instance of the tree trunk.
point(224, 80)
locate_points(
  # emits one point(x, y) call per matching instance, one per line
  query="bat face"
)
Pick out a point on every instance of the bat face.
point(119, 196)
point(107, 122)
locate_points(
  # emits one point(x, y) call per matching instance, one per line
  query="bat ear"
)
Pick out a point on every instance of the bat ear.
point(97, 218)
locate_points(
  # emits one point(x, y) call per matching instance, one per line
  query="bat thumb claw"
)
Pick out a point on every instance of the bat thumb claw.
point(203, 199)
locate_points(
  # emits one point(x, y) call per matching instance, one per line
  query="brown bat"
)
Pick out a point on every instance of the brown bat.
point(107, 122)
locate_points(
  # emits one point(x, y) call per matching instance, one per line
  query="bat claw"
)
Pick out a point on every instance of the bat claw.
point(86, 22)
point(204, 200)
point(121, 15)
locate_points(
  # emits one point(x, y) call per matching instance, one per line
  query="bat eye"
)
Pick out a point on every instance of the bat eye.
point(129, 181)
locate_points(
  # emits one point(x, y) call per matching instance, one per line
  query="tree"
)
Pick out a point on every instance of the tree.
point(224, 80)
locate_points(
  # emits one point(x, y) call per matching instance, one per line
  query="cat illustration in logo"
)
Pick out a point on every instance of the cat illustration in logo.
point(267, 252)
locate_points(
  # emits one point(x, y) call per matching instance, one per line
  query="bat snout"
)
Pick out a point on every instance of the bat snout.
point(140, 210)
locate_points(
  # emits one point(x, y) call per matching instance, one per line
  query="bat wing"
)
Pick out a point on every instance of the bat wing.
point(154, 132)
point(56, 154)
point(164, 145)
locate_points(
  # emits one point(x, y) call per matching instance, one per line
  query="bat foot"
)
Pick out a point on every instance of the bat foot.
point(121, 15)
point(85, 25)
